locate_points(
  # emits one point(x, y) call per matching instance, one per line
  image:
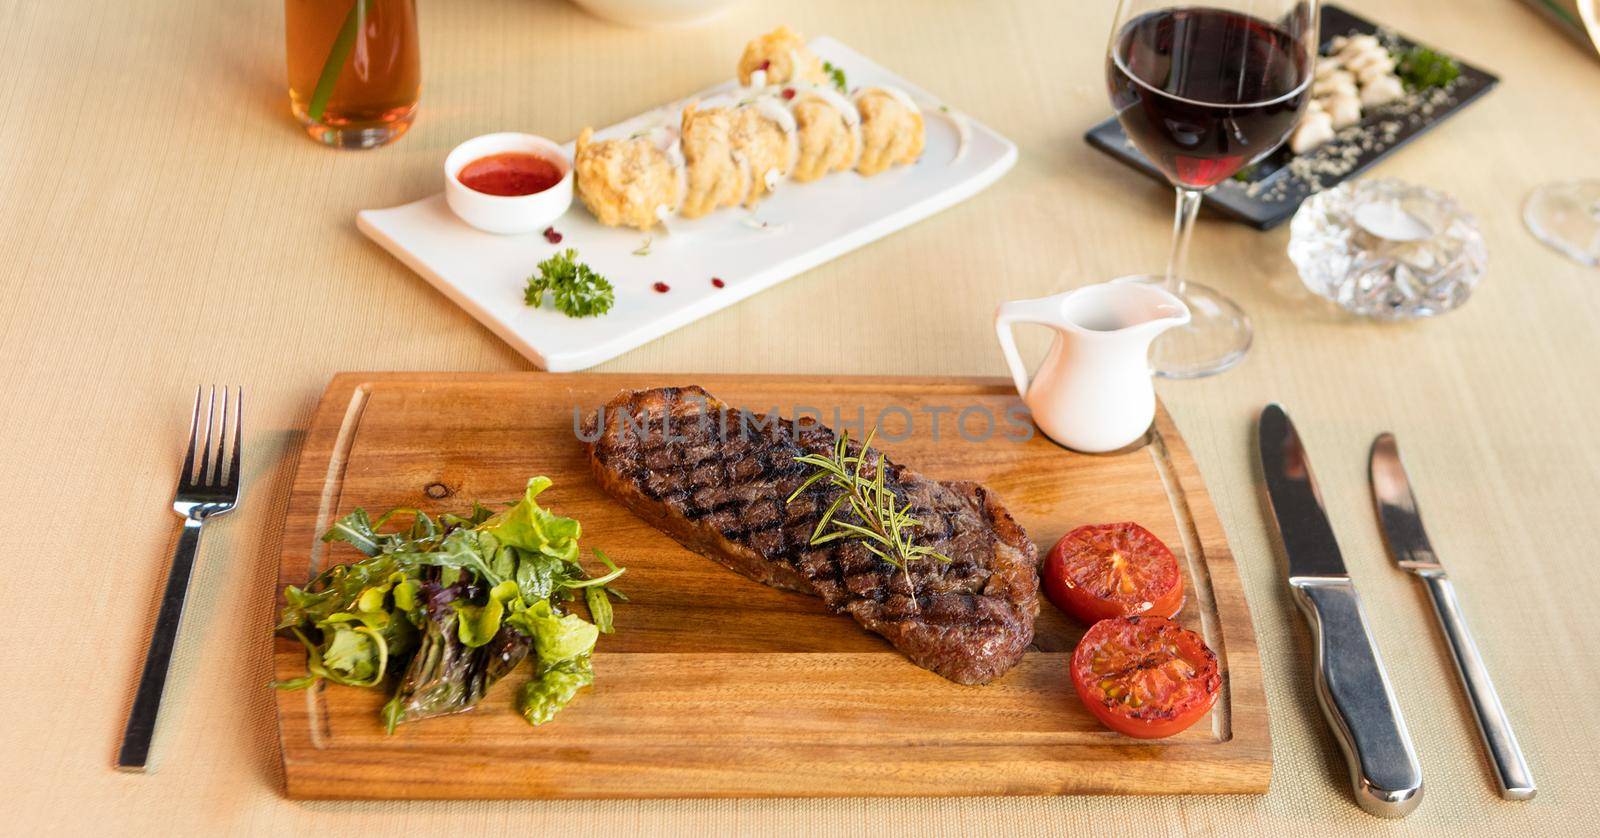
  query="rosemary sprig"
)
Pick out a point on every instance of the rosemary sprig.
point(886, 523)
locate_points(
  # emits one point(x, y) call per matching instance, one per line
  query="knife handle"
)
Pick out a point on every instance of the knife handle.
point(1357, 700)
point(1510, 769)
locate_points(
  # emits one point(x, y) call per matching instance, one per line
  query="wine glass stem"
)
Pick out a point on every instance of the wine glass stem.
point(1182, 229)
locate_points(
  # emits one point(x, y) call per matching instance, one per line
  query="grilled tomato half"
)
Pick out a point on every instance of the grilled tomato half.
point(1145, 677)
point(1113, 570)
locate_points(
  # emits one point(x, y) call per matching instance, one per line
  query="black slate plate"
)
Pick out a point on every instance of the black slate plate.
point(1271, 193)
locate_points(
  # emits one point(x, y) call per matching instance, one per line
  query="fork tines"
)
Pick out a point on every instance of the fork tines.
point(219, 463)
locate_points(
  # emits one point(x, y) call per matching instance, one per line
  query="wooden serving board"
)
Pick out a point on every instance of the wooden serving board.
point(716, 686)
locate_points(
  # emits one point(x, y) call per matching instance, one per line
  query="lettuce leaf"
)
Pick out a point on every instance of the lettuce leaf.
point(478, 624)
point(556, 637)
point(446, 675)
point(552, 687)
point(528, 526)
point(356, 655)
point(351, 621)
point(452, 605)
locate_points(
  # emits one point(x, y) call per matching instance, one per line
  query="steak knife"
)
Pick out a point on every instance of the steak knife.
point(1351, 683)
point(1409, 547)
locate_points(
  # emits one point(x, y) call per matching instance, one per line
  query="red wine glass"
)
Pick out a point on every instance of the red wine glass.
point(1204, 91)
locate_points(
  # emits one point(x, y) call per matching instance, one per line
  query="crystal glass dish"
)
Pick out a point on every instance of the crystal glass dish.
point(1387, 250)
point(1566, 216)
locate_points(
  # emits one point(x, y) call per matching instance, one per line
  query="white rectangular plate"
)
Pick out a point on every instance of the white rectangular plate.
point(808, 224)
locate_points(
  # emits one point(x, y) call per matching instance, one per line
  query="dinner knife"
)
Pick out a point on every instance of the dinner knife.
point(1409, 547)
point(1352, 686)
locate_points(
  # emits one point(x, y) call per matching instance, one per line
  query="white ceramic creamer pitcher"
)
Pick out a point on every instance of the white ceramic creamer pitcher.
point(1093, 392)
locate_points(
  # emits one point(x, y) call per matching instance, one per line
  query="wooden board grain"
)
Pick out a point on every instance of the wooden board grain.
point(714, 685)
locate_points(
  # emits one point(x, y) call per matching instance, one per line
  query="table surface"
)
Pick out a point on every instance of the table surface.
point(164, 222)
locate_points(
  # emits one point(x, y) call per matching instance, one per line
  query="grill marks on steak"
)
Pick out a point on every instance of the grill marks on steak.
point(719, 484)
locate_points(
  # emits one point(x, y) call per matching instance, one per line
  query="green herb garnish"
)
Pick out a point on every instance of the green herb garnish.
point(644, 249)
point(452, 606)
point(343, 44)
point(836, 74)
point(1421, 68)
point(575, 290)
point(881, 522)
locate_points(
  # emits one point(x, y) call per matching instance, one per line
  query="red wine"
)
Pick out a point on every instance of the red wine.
point(1204, 92)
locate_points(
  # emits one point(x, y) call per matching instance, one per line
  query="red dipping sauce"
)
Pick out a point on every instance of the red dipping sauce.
point(510, 173)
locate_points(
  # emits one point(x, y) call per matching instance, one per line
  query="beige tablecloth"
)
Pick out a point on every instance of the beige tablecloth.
point(163, 222)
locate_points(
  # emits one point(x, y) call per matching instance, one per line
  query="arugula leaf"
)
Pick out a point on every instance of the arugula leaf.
point(479, 514)
point(337, 589)
point(356, 528)
point(351, 619)
point(366, 535)
point(596, 582)
point(461, 550)
point(836, 75)
point(575, 289)
point(599, 608)
point(539, 575)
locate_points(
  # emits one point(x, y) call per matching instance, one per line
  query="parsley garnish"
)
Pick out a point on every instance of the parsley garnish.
point(837, 74)
point(1421, 68)
point(575, 290)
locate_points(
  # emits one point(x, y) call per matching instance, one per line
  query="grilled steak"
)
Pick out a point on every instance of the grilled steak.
point(717, 479)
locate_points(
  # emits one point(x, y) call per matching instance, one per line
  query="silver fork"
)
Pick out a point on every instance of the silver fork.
point(201, 495)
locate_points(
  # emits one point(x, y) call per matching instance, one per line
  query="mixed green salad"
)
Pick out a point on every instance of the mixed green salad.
point(453, 605)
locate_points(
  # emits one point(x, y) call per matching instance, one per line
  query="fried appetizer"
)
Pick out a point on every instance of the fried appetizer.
point(829, 129)
point(626, 182)
point(717, 176)
point(891, 129)
point(781, 55)
point(764, 135)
